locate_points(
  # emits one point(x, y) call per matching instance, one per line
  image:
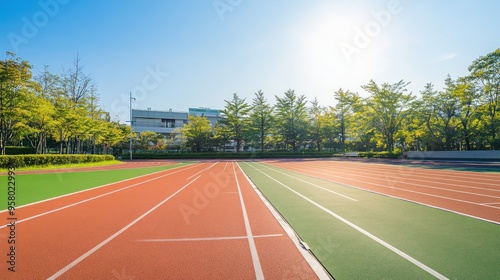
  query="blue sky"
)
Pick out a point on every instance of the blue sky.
point(197, 53)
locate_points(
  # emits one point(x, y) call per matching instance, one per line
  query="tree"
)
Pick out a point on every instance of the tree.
point(15, 86)
point(317, 123)
point(468, 96)
point(441, 109)
point(197, 132)
point(149, 140)
point(235, 119)
point(486, 71)
point(344, 112)
point(39, 122)
point(387, 107)
point(291, 118)
point(77, 84)
point(329, 128)
point(44, 110)
point(261, 118)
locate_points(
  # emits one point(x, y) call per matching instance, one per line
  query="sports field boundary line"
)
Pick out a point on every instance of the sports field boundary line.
point(300, 244)
point(191, 165)
point(107, 240)
point(93, 198)
point(363, 231)
point(406, 199)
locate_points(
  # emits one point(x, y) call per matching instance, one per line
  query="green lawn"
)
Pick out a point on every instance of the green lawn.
point(455, 246)
point(35, 187)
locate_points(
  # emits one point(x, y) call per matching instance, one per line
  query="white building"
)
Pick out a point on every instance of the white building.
point(165, 122)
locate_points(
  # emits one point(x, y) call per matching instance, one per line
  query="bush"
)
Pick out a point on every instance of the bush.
point(41, 160)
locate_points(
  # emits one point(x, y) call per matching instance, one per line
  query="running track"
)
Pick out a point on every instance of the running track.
point(474, 194)
point(202, 221)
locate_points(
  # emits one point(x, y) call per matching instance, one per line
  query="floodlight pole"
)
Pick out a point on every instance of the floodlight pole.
point(131, 132)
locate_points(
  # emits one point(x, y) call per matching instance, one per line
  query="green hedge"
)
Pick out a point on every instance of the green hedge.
point(242, 155)
point(14, 150)
point(37, 160)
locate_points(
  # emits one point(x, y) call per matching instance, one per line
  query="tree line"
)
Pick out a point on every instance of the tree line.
point(54, 111)
point(464, 115)
point(50, 110)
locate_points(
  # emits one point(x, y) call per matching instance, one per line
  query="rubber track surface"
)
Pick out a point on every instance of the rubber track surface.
point(184, 223)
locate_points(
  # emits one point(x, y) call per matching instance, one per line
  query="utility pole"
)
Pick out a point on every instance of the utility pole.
point(131, 132)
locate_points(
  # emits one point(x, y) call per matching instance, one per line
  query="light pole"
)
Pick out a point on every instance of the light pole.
point(130, 150)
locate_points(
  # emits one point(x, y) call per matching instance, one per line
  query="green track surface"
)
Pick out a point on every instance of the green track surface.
point(455, 246)
point(35, 187)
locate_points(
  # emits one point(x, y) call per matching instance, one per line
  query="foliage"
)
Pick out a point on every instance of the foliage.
point(50, 110)
point(386, 109)
point(197, 132)
point(47, 109)
point(41, 160)
point(262, 119)
point(235, 120)
point(291, 119)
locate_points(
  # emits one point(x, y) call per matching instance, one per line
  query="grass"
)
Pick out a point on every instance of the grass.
point(35, 187)
point(456, 246)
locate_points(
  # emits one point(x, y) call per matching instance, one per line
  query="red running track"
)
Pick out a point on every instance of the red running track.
point(202, 221)
point(475, 194)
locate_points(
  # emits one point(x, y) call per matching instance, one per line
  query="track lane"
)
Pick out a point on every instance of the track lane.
point(195, 215)
point(481, 206)
point(200, 234)
point(49, 242)
point(34, 210)
point(410, 184)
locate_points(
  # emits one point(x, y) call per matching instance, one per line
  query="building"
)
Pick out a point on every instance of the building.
point(165, 122)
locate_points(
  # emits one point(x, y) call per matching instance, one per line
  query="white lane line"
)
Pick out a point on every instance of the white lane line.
point(402, 198)
point(373, 237)
point(96, 197)
point(209, 238)
point(301, 245)
point(101, 186)
point(259, 275)
point(404, 181)
point(491, 203)
point(107, 240)
point(388, 187)
point(188, 178)
point(225, 166)
point(312, 184)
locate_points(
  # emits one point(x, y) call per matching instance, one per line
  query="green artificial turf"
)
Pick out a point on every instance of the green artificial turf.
point(35, 187)
point(456, 246)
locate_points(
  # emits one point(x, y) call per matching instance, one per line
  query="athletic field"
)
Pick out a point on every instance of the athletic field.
point(275, 219)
